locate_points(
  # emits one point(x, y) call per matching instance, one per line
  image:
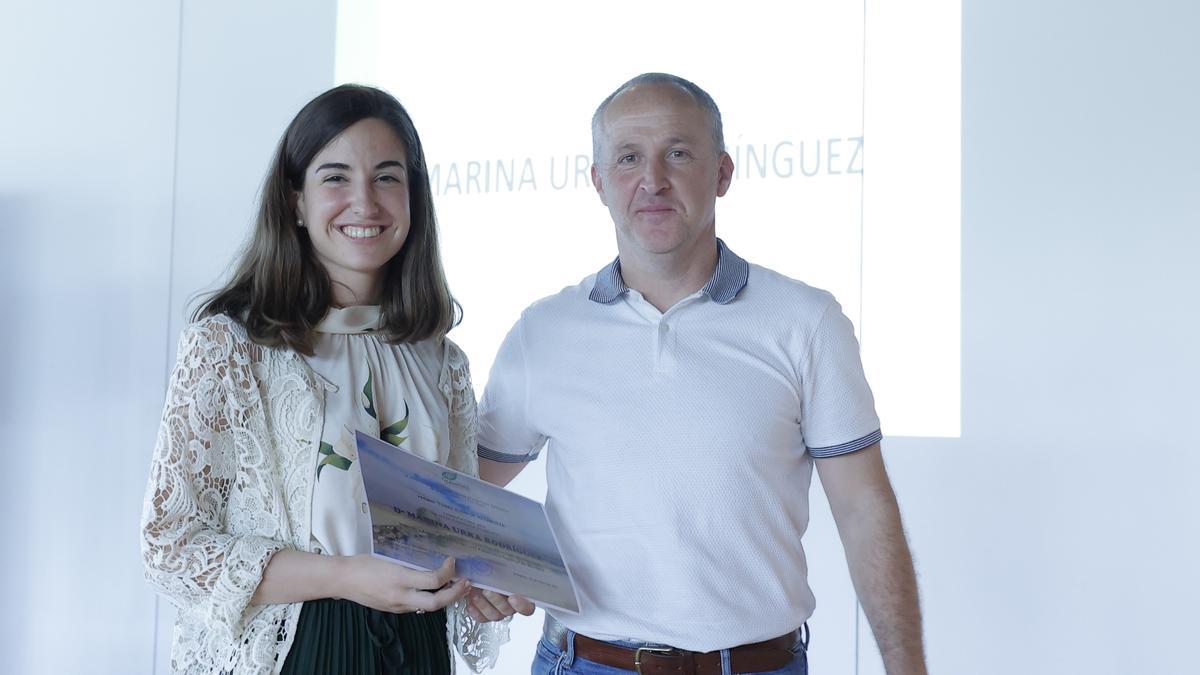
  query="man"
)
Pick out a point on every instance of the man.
point(685, 396)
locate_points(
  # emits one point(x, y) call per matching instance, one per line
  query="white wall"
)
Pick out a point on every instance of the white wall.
point(114, 209)
point(87, 127)
point(1058, 535)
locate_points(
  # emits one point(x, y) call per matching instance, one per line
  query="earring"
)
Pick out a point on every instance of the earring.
point(299, 222)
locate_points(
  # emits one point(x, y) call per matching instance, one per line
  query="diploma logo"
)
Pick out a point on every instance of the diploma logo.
point(449, 475)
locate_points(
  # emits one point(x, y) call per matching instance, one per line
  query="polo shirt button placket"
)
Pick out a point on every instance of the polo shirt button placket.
point(664, 353)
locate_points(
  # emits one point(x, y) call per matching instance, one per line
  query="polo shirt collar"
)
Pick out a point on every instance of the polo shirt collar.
point(728, 279)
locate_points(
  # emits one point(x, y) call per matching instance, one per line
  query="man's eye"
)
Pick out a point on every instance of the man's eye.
point(677, 154)
point(627, 159)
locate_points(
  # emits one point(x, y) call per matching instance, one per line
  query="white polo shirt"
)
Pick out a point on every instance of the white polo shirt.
point(680, 446)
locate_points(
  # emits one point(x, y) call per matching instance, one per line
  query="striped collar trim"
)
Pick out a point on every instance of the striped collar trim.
point(728, 279)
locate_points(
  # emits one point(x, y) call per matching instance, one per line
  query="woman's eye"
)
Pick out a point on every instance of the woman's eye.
point(388, 178)
point(334, 179)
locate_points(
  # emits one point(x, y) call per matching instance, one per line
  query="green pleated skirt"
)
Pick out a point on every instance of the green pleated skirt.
point(346, 638)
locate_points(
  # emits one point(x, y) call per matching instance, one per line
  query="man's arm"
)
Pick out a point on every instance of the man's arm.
point(499, 473)
point(487, 605)
point(868, 520)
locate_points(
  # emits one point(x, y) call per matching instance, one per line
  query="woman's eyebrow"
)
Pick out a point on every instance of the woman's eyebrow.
point(346, 167)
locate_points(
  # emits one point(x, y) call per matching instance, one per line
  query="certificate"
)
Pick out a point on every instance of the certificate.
point(422, 512)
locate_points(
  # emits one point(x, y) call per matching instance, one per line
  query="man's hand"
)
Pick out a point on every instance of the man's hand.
point(491, 606)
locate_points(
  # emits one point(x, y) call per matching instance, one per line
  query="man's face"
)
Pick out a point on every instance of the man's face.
point(658, 171)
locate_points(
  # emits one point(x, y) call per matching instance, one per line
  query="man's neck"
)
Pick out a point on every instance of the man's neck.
point(665, 279)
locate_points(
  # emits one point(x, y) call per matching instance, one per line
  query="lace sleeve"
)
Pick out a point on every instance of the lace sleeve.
point(199, 466)
point(456, 386)
point(478, 643)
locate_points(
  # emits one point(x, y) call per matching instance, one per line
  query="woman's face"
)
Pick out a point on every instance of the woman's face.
point(354, 205)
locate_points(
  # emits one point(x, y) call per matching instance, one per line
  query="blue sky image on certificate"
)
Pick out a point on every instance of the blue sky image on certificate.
point(422, 512)
point(391, 474)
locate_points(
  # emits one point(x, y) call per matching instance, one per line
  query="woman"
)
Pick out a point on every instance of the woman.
point(255, 522)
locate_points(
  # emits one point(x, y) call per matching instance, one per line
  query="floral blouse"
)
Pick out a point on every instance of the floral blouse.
point(388, 391)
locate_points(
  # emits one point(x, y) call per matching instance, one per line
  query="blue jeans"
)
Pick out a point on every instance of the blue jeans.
point(550, 660)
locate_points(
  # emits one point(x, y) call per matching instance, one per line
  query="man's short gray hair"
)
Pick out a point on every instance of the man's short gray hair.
point(701, 97)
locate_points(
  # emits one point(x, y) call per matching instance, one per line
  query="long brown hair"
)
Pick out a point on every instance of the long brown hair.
point(280, 292)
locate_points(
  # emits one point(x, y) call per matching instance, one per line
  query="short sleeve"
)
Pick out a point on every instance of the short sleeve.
point(838, 410)
point(506, 433)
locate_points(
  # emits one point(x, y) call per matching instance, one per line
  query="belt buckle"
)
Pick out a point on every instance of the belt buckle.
point(637, 655)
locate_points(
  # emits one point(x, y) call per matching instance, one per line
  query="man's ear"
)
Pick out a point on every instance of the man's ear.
point(598, 183)
point(724, 173)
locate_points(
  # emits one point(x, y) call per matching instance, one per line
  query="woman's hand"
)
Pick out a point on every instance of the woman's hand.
point(296, 576)
point(392, 588)
point(492, 606)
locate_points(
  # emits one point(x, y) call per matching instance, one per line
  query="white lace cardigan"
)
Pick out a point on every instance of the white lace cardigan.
point(231, 483)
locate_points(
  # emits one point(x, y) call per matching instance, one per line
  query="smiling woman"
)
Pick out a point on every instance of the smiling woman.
point(351, 157)
point(255, 522)
point(355, 206)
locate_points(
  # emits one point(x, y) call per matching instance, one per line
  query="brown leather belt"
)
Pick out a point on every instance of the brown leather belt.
point(770, 654)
